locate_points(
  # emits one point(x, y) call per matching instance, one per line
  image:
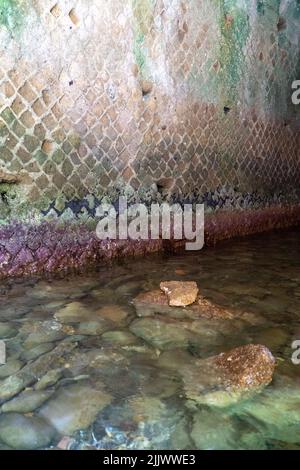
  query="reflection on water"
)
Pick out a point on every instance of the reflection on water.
point(81, 366)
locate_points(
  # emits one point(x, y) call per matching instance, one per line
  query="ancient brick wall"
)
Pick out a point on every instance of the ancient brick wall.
point(152, 99)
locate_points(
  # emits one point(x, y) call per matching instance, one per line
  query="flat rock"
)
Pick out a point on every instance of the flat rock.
point(24, 432)
point(180, 293)
point(225, 379)
point(74, 408)
point(162, 333)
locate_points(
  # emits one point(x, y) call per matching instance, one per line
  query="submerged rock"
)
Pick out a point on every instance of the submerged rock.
point(24, 432)
point(74, 312)
point(49, 379)
point(93, 328)
point(162, 333)
point(42, 332)
point(120, 337)
point(37, 351)
point(180, 294)
point(275, 414)
point(114, 313)
point(27, 401)
point(229, 377)
point(74, 408)
point(30, 373)
point(212, 430)
point(11, 367)
point(7, 330)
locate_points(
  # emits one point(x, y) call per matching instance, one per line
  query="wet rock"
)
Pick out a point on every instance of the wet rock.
point(274, 338)
point(25, 433)
point(37, 351)
point(180, 437)
point(162, 333)
point(213, 430)
point(74, 312)
point(7, 330)
point(120, 337)
point(30, 373)
point(275, 414)
point(93, 328)
point(49, 379)
point(114, 313)
point(179, 293)
point(74, 408)
point(42, 332)
point(229, 377)
point(11, 367)
point(27, 401)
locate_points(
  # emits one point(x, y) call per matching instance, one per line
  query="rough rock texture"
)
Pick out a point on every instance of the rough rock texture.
point(180, 294)
point(229, 377)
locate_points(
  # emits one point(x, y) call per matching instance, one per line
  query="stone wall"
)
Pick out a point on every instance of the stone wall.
point(154, 99)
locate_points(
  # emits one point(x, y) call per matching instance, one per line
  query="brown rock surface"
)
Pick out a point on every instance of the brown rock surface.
point(180, 294)
point(229, 377)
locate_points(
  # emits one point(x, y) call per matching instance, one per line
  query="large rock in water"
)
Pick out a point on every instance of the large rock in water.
point(74, 408)
point(24, 432)
point(180, 294)
point(225, 379)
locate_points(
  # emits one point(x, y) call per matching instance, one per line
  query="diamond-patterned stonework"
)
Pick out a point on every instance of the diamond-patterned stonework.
point(102, 97)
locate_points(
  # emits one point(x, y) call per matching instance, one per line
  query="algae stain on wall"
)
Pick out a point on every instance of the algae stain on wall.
point(12, 14)
point(235, 29)
point(143, 18)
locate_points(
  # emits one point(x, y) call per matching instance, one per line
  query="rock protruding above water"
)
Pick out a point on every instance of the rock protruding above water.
point(229, 377)
point(179, 293)
point(154, 302)
point(24, 432)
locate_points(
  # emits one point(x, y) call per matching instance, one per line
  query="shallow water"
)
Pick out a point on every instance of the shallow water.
point(80, 365)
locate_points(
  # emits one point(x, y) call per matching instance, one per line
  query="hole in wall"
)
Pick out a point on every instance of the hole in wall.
point(164, 185)
point(74, 17)
point(226, 109)
point(281, 25)
point(147, 87)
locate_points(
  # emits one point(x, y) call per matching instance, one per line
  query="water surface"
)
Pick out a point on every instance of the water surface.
point(90, 375)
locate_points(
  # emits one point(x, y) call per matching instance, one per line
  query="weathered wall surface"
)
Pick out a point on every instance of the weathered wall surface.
point(143, 97)
point(188, 100)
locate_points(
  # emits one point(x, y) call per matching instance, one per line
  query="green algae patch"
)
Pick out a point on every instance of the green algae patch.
point(143, 19)
point(235, 30)
point(12, 14)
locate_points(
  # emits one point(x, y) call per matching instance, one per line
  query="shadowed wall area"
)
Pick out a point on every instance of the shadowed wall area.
point(188, 101)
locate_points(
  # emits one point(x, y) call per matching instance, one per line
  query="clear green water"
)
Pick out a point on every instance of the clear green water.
point(114, 390)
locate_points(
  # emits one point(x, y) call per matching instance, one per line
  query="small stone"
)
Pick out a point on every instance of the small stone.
point(37, 351)
point(24, 432)
point(180, 294)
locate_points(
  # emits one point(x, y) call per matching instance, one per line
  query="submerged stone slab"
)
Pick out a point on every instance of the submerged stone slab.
point(180, 293)
point(74, 407)
point(225, 379)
